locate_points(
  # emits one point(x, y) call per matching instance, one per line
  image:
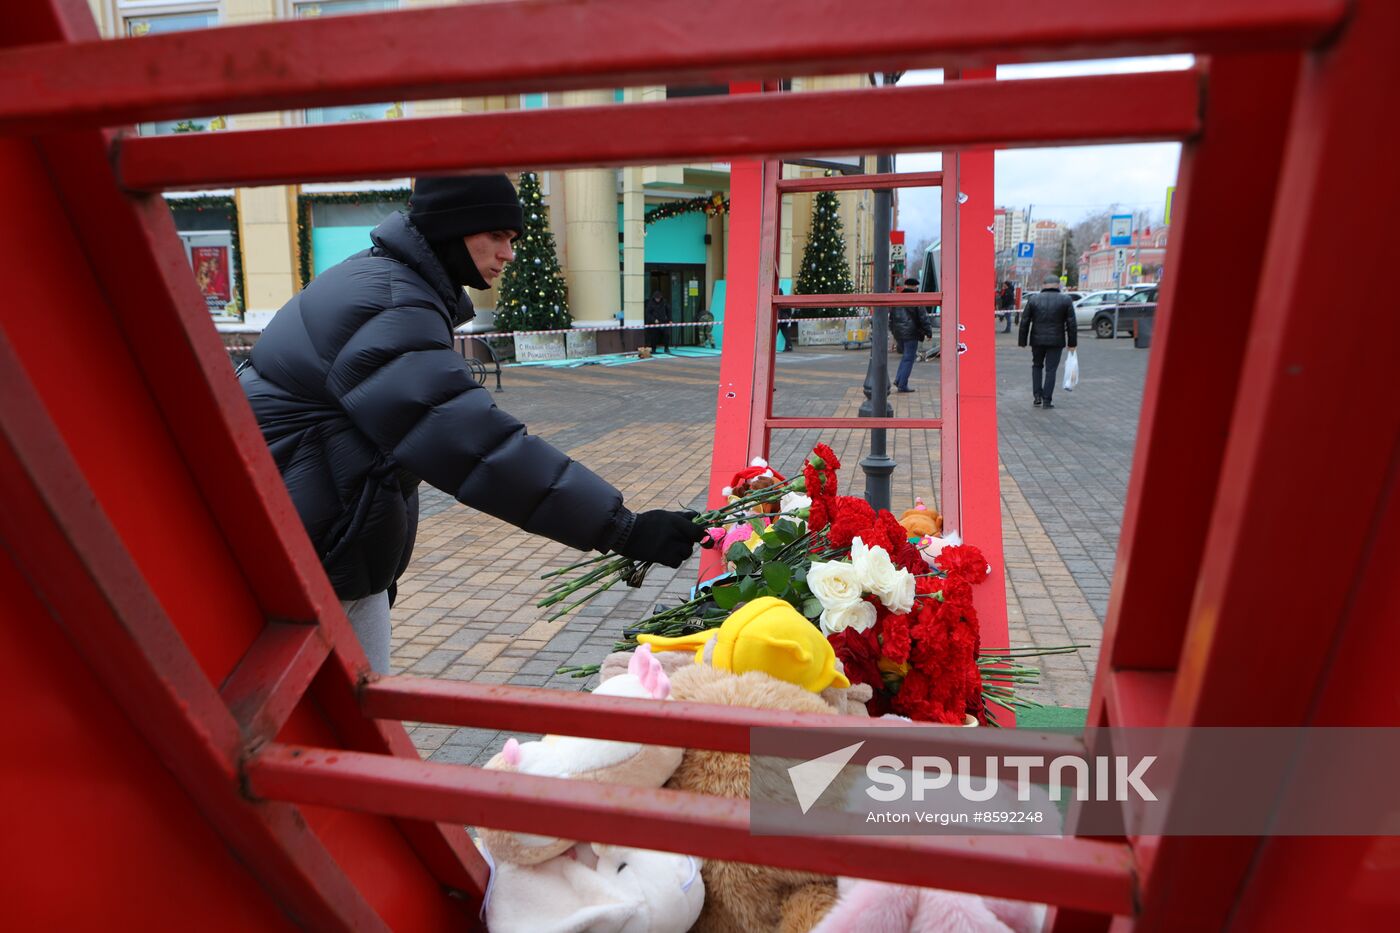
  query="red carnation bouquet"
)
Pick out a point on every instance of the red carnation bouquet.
point(904, 626)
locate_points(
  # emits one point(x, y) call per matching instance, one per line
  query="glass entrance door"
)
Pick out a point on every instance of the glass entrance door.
point(683, 285)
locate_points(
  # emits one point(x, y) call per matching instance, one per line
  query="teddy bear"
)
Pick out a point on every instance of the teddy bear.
point(922, 521)
point(741, 897)
point(766, 655)
point(757, 475)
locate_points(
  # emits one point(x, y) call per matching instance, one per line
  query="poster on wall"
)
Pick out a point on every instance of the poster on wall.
point(211, 273)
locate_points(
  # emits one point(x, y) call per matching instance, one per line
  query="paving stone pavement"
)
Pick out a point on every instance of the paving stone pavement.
point(466, 607)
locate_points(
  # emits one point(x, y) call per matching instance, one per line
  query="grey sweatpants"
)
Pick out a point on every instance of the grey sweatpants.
point(369, 617)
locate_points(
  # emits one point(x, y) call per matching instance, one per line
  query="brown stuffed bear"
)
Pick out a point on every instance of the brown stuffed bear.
point(739, 897)
point(922, 521)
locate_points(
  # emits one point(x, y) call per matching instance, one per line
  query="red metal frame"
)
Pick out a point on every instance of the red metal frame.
point(211, 654)
point(1054, 111)
point(582, 44)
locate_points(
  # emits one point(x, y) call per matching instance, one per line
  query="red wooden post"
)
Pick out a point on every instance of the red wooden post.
point(735, 399)
point(974, 438)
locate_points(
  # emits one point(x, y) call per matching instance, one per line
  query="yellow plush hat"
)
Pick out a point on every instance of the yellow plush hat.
point(765, 635)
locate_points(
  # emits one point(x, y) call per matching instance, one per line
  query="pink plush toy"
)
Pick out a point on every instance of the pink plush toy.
point(875, 907)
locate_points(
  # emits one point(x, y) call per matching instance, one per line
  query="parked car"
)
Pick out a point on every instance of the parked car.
point(1138, 305)
point(1086, 307)
point(1026, 296)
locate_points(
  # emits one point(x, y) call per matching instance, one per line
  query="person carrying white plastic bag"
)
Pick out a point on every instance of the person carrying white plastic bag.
point(1072, 370)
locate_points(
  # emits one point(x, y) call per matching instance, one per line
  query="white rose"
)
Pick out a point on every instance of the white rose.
point(834, 583)
point(901, 597)
point(794, 501)
point(892, 585)
point(858, 615)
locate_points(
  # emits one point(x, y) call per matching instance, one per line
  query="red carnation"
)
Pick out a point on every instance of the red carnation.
point(850, 517)
point(894, 637)
point(965, 560)
point(828, 455)
point(859, 658)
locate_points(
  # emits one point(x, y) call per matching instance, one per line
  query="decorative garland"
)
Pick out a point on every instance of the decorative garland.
point(305, 202)
point(711, 205)
point(204, 202)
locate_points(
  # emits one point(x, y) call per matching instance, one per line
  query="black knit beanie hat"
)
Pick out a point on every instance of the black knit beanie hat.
point(461, 205)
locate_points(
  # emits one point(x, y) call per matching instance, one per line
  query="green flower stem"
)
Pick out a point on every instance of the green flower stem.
point(583, 563)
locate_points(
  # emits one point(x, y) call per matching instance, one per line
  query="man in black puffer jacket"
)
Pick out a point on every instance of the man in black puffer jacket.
point(1049, 321)
point(908, 326)
point(360, 395)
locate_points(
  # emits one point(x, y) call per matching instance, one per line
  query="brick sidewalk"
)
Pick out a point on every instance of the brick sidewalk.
point(466, 608)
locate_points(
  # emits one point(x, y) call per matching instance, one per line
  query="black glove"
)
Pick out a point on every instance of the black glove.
point(657, 536)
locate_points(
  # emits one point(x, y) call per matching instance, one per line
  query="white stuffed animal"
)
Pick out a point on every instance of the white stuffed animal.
point(597, 760)
point(598, 889)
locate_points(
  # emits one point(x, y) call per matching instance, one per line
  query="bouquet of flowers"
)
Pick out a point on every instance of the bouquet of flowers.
point(898, 622)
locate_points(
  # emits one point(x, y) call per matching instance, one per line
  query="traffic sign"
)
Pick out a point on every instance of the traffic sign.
point(1171, 195)
point(1135, 269)
point(1025, 251)
point(1120, 260)
point(897, 252)
point(1120, 230)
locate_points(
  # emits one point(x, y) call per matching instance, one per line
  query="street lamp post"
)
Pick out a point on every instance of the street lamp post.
point(878, 465)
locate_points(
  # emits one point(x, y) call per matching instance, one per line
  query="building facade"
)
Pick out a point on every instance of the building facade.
point(1141, 261)
point(1008, 227)
point(253, 248)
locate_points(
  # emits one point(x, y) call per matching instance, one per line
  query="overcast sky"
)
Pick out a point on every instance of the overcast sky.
point(1062, 184)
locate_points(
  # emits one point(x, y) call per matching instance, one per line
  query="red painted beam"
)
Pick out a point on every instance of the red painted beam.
point(1193, 375)
point(78, 564)
point(765, 316)
point(416, 54)
point(862, 182)
point(1049, 112)
point(974, 408)
point(729, 449)
point(273, 676)
point(1074, 872)
point(856, 424)
point(949, 370)
point(677, 723)
point(1335, 159)
point(901, 299)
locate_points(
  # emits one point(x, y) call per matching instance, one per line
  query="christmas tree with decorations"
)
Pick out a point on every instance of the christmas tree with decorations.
point(533, 294)
point(824, 270)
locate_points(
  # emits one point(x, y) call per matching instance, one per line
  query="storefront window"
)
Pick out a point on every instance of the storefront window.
point(155, 23)
point(208, 232)
point(339, 231)
point(353, 112)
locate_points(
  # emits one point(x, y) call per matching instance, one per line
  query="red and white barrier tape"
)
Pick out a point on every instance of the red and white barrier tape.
point(610, 327)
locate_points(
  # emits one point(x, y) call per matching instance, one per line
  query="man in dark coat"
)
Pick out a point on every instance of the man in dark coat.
point(1049, 322)
point(908, 326)
point(1006, 302)
point(360, 395)
point(657, 310)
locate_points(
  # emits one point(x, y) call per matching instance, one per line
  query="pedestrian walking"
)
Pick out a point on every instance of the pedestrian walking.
point(1048, 322)
point(657, 310)
point(360, 395)
point(1006, 304)
point(908, 326)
